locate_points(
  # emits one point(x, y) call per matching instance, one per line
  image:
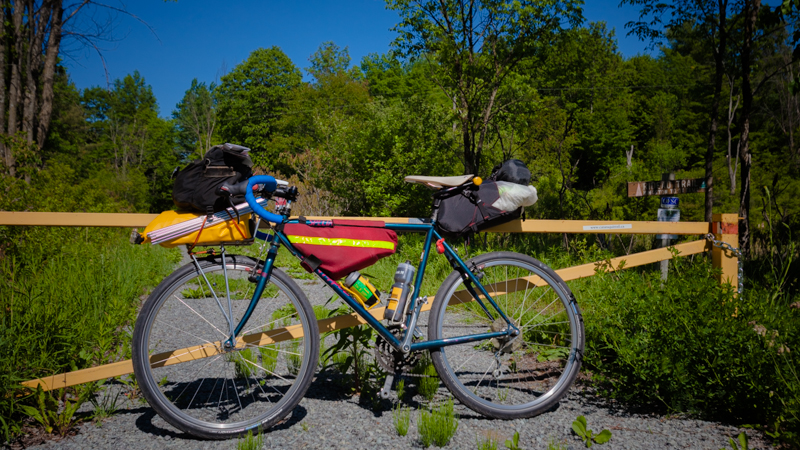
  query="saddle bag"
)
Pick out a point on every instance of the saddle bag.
point(339, 247)
point(498, 200)
point(469, 212)
point(196, 185)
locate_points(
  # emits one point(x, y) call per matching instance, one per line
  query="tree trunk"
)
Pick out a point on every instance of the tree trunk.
point(3, 148)
point(751, 8)
point(15, 88)
point(719, 69)
point(48, 74)
point(731, 156)
point(37, 24)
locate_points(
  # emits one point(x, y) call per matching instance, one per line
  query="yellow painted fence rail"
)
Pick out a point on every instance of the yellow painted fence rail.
point(724, 227)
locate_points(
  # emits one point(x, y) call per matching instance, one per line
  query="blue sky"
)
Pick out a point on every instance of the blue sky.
point(203, 39)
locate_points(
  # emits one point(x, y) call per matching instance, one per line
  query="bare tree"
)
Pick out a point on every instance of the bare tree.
point(30, 44)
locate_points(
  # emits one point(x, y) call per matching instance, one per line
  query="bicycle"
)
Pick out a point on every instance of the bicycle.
point(505, 333)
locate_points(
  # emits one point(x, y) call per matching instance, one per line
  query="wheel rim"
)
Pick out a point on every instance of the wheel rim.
point(519, 374)
point(227, 390)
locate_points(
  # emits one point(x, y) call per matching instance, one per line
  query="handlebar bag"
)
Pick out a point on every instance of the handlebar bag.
point(225, 232)
point(196, 185)
point(339, 247)
point(471, 211)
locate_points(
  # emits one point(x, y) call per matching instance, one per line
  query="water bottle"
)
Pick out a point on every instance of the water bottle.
point(362, 290)
point(401, 288)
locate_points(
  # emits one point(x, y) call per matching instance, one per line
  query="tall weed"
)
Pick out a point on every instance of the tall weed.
point(70, 309)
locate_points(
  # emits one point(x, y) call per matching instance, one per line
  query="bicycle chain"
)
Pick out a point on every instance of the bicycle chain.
point(725, 246)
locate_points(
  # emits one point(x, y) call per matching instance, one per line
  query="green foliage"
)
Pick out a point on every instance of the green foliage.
point(742, 442)
point(106, 407)
point(250, 441)
point(251, 96)
point(513, 443)
point(196, 119)
point(486, 443)
point(85, 284)
point(400, 388)
point(329, 61)
point(401, 418)
point(48, 414)
point(438, 426)
point(688, 345)
point(476, 76)
point(587, 435)
point(352, 351)
point(243, 363)
point(429, 382)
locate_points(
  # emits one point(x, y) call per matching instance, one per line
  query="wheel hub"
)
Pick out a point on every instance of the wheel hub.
point(506, 344)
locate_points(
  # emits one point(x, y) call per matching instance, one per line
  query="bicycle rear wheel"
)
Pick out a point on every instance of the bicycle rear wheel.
point(517, 377)
point(189, 378)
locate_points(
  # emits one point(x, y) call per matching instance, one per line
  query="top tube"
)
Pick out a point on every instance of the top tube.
point(270, 185)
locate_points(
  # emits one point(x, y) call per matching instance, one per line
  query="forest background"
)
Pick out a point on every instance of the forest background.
point(465, 86)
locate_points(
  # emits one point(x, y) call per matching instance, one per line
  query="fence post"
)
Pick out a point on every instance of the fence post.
point(726, 228)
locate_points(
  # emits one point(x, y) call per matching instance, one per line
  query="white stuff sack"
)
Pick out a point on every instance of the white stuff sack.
point(513, 195)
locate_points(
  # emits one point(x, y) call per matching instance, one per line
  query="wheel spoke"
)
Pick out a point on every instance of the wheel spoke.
point(226, 391)
point(508, 377)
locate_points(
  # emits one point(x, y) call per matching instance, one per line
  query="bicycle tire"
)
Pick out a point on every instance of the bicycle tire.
point(218, 394)
point(508, 379)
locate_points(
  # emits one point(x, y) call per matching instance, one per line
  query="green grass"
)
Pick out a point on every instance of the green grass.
point(250, 442)
point(269, 357)
point(293, 358)
point(401, 418)
point(486, 443)
point(70, 309)
point(438, 426)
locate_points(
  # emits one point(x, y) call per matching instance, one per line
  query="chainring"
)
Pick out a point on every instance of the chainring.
point(394, 361)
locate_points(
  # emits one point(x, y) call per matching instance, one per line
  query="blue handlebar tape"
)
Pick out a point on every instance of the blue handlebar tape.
point(270, 185)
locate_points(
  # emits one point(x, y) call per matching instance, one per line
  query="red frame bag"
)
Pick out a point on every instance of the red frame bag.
point(339, 247)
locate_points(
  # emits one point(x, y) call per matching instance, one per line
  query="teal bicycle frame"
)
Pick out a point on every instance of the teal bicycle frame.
point(404, 344)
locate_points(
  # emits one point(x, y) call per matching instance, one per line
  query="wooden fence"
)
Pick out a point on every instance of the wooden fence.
point(724, 227)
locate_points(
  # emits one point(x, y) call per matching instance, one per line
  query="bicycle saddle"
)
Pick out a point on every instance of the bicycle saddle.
point(439, 182)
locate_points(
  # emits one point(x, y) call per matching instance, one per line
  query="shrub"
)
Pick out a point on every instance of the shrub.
point(429, 382)
point(689, 344)
point(439, 425)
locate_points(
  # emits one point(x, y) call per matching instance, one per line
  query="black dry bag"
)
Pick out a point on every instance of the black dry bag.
point(196, 185)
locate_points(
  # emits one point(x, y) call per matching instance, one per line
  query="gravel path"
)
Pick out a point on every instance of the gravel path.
point(329, 418)
point(326, 418)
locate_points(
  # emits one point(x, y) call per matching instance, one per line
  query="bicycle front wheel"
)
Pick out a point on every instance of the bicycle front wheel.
point(190, 378)
point(508, 378)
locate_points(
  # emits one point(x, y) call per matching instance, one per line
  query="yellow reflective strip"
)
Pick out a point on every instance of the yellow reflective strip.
point(340, 242)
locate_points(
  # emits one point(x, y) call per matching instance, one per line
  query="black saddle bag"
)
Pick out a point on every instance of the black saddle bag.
point(469, 212)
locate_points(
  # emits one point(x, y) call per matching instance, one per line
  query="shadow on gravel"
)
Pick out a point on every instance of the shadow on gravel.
point(145, 424)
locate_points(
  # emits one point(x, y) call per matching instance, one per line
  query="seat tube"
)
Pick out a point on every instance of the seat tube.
point(423, 263)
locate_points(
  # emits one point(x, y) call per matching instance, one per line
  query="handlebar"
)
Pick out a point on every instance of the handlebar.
point(270, 184)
